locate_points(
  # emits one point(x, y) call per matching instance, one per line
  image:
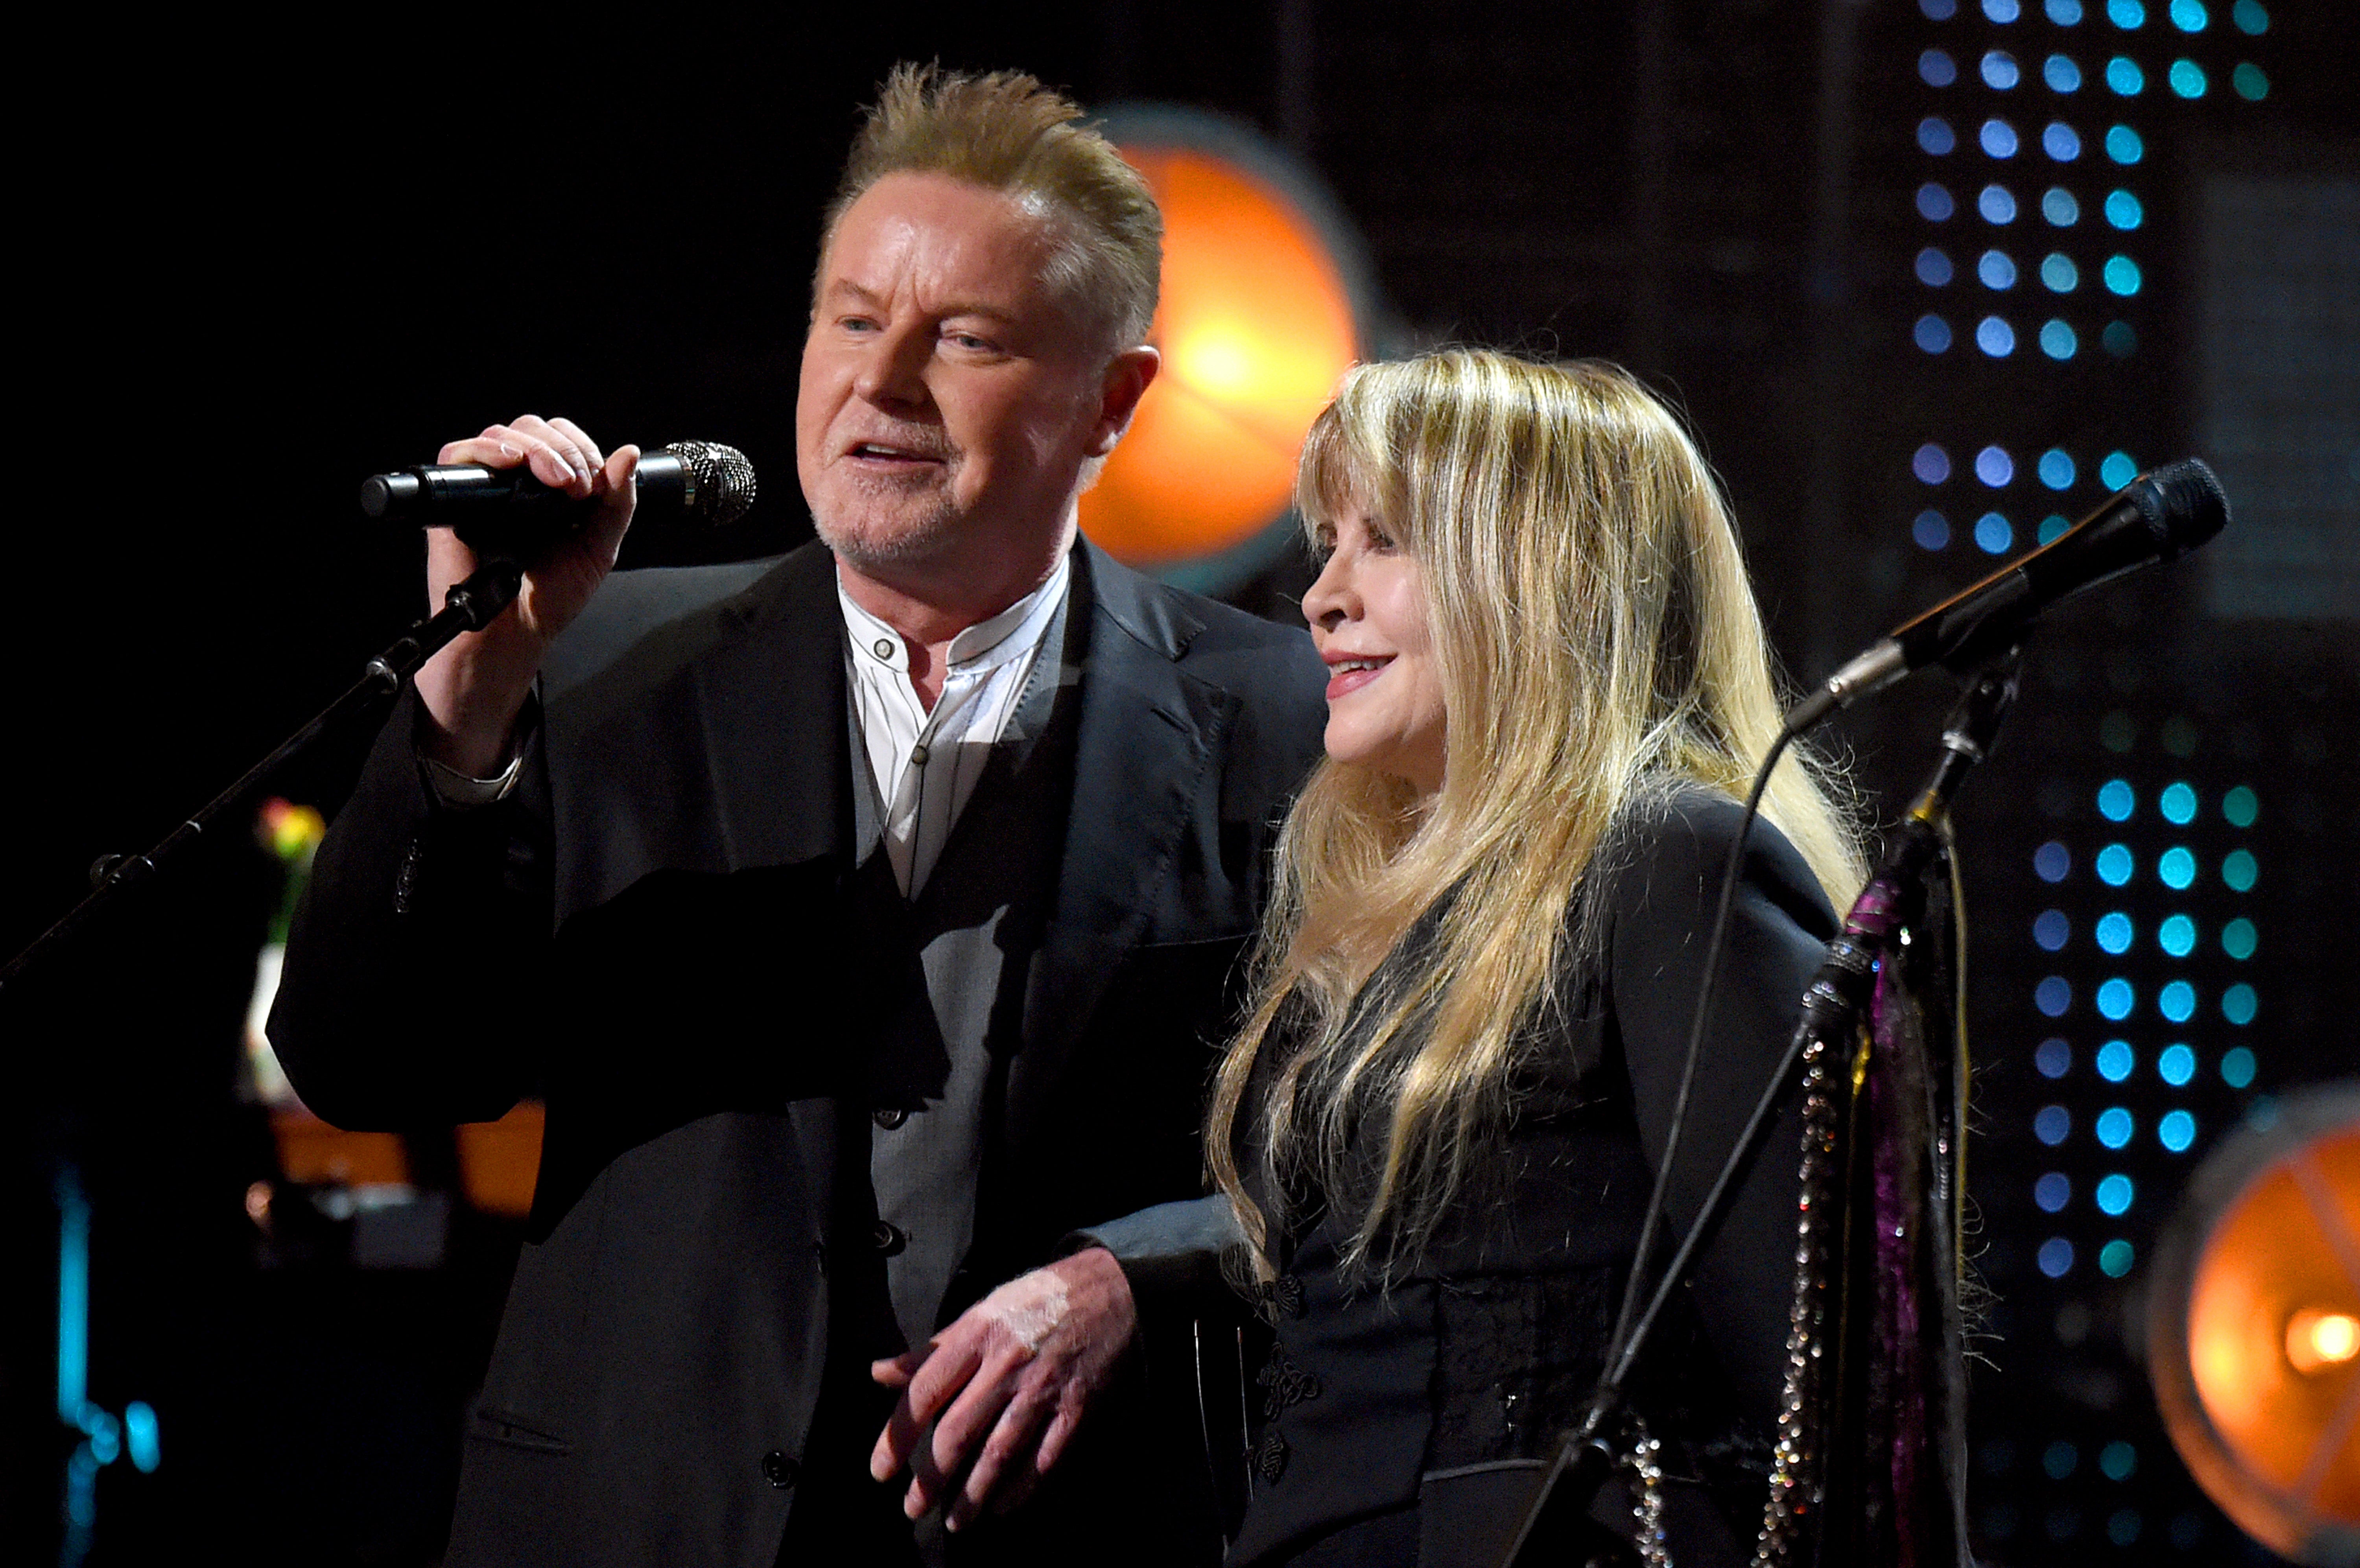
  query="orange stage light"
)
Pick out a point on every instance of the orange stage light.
point(501, 1162)
point(2254, 1328)
point(1260, 316)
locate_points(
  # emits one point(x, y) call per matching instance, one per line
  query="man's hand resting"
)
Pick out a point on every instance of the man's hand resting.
point(1003, 1389)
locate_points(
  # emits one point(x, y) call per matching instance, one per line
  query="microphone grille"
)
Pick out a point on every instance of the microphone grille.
point(724, 480)
point(2195, 506)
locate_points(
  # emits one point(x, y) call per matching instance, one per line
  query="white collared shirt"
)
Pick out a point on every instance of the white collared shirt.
point(925, 765)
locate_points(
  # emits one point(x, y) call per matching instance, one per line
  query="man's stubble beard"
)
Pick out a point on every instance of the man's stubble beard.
point(929, 537)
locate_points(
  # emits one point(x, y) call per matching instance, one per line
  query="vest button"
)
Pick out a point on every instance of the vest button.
point(881, 649)
point(889, 1238)
point(890, 1117)
point(780, 1469)
point(920, 755)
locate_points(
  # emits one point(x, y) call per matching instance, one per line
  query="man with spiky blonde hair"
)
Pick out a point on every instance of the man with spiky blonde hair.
point(867, 915)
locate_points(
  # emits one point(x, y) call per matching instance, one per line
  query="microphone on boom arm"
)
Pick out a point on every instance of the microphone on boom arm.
point(507, 508)
point(2160, 516)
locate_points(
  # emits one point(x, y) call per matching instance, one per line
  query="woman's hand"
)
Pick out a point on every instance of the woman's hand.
point(1004, 1387)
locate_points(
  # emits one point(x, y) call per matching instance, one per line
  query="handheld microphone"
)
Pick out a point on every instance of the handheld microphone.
point(705, 481)
point(2160, 516)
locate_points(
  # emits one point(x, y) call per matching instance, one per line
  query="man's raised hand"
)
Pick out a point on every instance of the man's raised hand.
point(474, 688)
point(992, 1402)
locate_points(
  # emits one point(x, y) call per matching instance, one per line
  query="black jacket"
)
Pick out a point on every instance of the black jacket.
point(650, 928)
point(1421, 1413)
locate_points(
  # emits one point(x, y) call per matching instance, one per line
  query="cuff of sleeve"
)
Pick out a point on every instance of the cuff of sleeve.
point(1169, 1253)
point(459, 791)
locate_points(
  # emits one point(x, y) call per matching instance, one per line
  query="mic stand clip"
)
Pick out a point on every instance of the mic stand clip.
point(468, 606)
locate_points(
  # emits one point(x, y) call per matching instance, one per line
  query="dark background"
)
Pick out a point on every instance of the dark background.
point(268, 260)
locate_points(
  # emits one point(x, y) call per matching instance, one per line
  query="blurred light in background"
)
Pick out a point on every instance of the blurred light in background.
point(2253, 1325)
point(1265, 304)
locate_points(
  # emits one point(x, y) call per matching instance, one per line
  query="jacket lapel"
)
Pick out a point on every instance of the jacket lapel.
point(772, 704)
point(1149, 733)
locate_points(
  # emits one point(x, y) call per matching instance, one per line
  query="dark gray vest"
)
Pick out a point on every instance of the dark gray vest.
point(965, 948)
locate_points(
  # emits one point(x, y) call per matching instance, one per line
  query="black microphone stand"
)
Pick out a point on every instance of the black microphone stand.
point(468, 606)
point(1558, 1524)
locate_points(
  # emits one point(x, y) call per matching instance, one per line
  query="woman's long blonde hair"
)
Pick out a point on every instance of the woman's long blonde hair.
point(1597, 642)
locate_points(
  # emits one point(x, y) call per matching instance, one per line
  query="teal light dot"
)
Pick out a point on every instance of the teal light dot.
point(2057, 205)
point(2122, 144)
point(2250, 83)
point(2059, 1460)
point(2123, 210)
point(2117, 800)
point(2177, 866)
point(2118, 471)
point(2116, 998)
point(2116, 1059)
point(2187, 79)
point(2237, 1067)
point(2238, 939)
point(2122, 275)
point(2177, 1001)
point(2115, 1258)
point(2113, 864)
point(2114, 1193)
point(2119, 1461)
point(2176, 1131)
point(2126, 14)
point(2056, 467)
point(2125, 77)
point(2120, 341)
point(2052, 528)
point(2056, 339)
point(2114, 931)
point(2238, 1004)
point(2189, 15)
point(2174, 1064)
point(2238, 869)
point(2176, 936)
point(2250, 17)
point(2059, 274)
point(2240, 806)
point(2178, 803)
point(2114, 1126)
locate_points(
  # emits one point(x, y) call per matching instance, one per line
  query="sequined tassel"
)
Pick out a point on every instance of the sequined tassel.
point(1795, 1463)
point(1644, 1465)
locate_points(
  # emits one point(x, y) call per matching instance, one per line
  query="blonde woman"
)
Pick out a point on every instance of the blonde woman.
point(1435, 1134)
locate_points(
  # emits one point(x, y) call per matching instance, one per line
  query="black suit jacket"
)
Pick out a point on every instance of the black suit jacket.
point(652, 930)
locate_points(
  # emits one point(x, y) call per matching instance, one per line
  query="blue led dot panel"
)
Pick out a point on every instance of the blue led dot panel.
point(2176, 1130)
point(2175, 1065)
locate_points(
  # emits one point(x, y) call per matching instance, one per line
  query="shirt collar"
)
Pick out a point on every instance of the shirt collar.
point(1013, 633)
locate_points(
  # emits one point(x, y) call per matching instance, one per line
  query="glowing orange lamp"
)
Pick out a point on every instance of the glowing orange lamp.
point(1262, 308)
point(2254, 1328)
